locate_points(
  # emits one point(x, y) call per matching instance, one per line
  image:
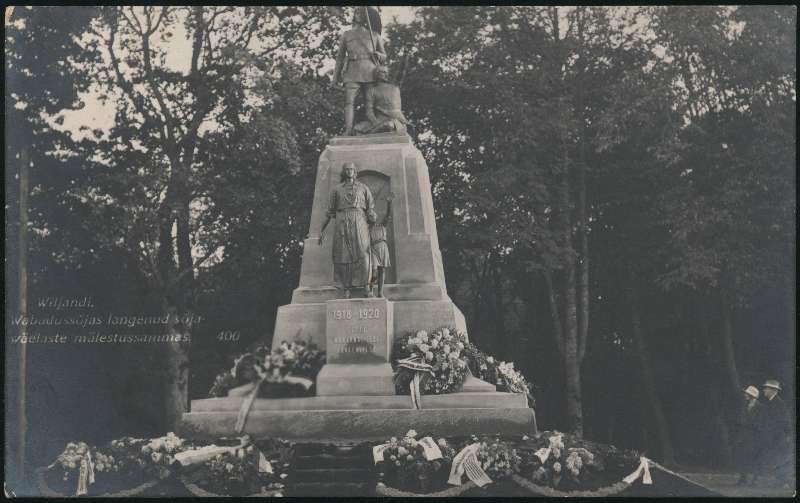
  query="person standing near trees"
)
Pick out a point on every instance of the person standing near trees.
point(748, 435)
point(775, 452)
point(361, 50)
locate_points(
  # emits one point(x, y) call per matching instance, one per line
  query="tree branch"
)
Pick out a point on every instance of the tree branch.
point(124, 84)
point(197, 43)
point(138, 28)
point(161, 16)
point(558, 331)
point(148, 74)
point(196, 264)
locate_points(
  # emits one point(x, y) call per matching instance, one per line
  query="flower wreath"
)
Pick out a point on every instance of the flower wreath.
point(294, 362)
point(432, 363)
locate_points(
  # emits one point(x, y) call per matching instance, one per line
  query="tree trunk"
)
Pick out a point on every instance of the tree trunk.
point(572, 361)
point(555, 316)
point(728, 353)
point(166, 251)
point(180, 329)
point(177, 368)
point(583, 264)
point(582, 230)
point(648, 381)
point(22, 405)
point(500, 326)
point(720, 425)
point(572, 364)
point(791, 306)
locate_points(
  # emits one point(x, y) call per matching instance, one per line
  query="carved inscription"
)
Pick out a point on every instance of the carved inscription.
point(373, 313)
point(357, 334)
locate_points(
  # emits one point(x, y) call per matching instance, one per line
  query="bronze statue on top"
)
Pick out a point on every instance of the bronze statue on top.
point(361, 50)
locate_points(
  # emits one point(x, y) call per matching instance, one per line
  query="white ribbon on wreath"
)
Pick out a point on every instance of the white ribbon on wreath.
point(417, 365)
point(642, 471)
point(247, 403)
point(466, 462)
point(85, 475)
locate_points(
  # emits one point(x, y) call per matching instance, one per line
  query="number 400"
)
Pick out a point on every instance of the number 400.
point(228, 335)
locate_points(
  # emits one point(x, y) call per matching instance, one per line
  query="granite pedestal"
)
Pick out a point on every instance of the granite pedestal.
point(364, 417)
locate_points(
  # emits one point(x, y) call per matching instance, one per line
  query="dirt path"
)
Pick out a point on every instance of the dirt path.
point(725, 484)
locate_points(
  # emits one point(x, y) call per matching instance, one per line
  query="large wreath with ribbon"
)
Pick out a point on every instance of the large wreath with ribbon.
point(426, 465)
point(293, 363)
point(432, 363)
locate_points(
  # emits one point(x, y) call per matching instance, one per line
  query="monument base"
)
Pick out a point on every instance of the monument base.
point(355, 418)
point(355, 379)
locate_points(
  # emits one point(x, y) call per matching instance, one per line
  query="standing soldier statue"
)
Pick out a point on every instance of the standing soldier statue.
point(361, 50)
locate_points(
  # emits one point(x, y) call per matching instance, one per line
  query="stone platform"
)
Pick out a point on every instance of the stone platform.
point(363, 417)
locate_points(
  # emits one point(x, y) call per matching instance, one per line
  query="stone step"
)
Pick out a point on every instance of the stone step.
point(311, 489)
point(462, 400)
point(328, 461)
point(332, 475)
point(338, 450)
point(373, 424)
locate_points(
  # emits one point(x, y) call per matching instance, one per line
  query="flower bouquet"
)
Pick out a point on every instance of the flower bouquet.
point(567, 465)
point(497, 458)
point(502, 374)
point(157, 456)
point(84, 470)
point(287, 371)
point(413, 465)
point(436, 361)
point(244, 471)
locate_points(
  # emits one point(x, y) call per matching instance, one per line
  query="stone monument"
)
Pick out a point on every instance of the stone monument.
point(355, 393)
point(355, 396)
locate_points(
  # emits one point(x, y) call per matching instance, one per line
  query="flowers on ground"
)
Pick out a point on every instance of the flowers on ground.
point(414, 465)
point(567, 463)
point(70, 459)
point(238, 474)
point(497, 458)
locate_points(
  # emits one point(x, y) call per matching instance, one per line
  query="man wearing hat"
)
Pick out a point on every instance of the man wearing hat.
point(749, 435)
point(775, 428)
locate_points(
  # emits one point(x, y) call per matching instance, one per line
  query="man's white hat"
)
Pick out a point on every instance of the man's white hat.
point(772, 383)
point(752, 391)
